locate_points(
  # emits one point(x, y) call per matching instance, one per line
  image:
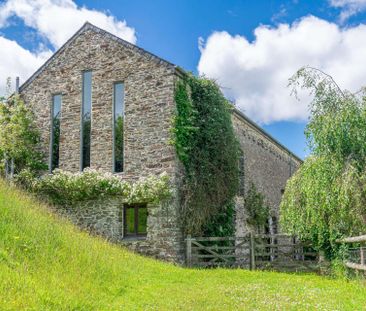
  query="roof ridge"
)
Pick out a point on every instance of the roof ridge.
point(86, 26)
point(265, 133)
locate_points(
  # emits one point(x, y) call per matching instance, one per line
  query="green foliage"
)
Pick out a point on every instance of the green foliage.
point(326, 198)
point(48, 264)
point(19, 137)
point(258, 210)
point(206, 145)
point(66, 188)
point(222, 224)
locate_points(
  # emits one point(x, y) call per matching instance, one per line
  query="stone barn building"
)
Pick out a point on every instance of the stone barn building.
point(97, 81)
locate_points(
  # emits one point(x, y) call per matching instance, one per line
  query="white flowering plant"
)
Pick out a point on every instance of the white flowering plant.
point(62, 187)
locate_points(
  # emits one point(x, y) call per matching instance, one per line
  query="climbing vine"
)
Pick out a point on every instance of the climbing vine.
point(256, 207)
point(207, 147)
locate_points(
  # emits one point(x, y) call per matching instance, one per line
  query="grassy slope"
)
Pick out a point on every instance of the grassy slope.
point(47, 264)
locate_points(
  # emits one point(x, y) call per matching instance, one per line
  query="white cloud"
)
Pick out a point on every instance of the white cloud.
point(348, 7)
point(255, 74)
point(17, 61)
point(58, 20)
point(55, 20)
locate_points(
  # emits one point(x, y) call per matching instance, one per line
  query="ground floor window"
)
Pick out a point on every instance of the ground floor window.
point(135, 219)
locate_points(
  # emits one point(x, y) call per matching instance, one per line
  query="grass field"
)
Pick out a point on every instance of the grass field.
point(47, 264)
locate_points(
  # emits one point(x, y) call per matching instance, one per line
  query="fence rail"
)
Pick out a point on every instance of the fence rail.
point(254, 251)
point(357, 256)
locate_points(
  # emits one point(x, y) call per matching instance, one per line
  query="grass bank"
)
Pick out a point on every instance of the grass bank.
point(47, 264)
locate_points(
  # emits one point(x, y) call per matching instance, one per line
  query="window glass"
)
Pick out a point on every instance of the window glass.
point(118, 121)
point(55, 132)
point(86, 119)
point(130, 220)
point(135, 219)
point(142, 219)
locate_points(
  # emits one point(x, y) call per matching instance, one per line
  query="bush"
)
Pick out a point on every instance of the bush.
point(65, 188)
point(19, 136)
point(258, 210)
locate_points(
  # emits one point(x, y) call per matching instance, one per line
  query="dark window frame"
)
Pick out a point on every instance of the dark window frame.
point(114, 164)
point(136, 207)
point(82, 143)
point(52, 133)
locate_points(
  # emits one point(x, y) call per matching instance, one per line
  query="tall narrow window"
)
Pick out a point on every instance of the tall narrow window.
point(86, 119)
point(118, 111)
point(55, 132)
point(241, 191)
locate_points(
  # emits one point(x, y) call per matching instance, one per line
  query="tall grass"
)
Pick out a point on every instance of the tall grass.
point(47, 264)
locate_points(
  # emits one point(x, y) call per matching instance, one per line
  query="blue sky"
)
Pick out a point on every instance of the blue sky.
point(250, 47)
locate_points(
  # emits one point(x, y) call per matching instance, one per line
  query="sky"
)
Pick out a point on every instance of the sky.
point(251, 48)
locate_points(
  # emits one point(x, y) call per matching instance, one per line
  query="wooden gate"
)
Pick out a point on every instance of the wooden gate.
point(356, 252)
point(254, 251)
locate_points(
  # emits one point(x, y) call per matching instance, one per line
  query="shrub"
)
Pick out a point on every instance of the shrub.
point(19, 136)
point(65, 188)
point(258, 210)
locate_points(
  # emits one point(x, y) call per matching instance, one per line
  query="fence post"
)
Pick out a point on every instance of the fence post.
point(362, 255)
point(252, 251)
point(189, 250)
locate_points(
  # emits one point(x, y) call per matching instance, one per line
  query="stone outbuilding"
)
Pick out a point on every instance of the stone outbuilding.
point(104, 103)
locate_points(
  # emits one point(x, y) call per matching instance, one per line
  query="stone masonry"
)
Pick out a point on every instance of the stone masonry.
point(267, 164)
point(149, 85)
point(149, 109)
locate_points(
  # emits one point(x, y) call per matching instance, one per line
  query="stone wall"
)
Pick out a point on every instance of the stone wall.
point(149, 109)
point(104, 217)
point(266, 163)
point(149, 104)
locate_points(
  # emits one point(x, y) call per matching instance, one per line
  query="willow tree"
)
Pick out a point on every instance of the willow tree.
point(326, 197)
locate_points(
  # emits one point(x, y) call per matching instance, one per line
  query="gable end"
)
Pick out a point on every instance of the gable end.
point(88, 26)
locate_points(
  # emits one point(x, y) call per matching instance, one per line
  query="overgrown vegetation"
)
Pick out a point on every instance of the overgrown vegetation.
point(206, 145)
point(66, 188)
point(221, 224)
point(47, 264)
point(326, 198)
point(19, 138)
point(256, 207)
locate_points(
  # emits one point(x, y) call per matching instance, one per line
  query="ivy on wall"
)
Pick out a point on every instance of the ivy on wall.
point(258, 210)
point(206, 145)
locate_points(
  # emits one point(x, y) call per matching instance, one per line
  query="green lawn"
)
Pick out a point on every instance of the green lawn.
point(47, 264)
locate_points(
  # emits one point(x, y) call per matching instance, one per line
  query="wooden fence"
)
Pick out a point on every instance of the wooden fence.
point(356, 255)
point(254, 251)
